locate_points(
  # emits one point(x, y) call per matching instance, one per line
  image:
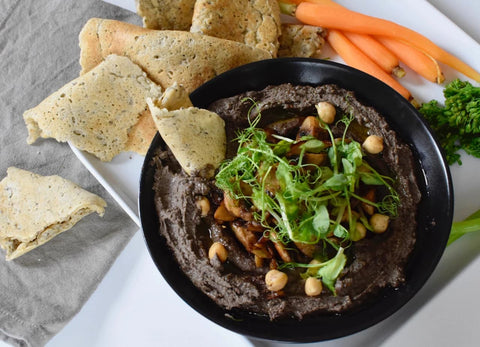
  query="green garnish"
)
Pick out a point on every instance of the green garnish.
point(327, 271)
point(457, 124)
point(460, 228)
point(301, 202)
point(457, 127)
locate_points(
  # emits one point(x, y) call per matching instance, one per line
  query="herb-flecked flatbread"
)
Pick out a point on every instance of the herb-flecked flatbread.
point(34, 209)
point(298, 40)
point(97, 111)
point(173, 98)
point(141, 135)
point(195, 136)
point(167, 56)
point(166, 14)
point(253, 22)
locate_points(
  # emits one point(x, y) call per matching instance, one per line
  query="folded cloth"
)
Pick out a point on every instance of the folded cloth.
point(43, 289)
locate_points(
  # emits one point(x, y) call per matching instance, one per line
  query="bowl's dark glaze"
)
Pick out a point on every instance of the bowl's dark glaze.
point(434, 216)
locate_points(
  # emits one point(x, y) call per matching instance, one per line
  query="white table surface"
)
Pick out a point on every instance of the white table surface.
point(125, 308)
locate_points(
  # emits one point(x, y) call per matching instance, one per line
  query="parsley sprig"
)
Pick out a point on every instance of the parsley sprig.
point(457, 123)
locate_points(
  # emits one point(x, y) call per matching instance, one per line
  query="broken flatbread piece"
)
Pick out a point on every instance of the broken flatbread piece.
point(167, 56)
point(298, 40)
point(173, 98)
point(253, 22)
point(141, 135)
point(96, 111)
point(195, 136)
point(166, 14)
point(34, 209)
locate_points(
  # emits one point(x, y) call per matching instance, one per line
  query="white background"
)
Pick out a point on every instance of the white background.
point(133, 306)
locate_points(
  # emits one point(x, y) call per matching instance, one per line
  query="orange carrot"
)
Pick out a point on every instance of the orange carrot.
point(329, 15)
point(372, 48)
point(380, 54)
point(357, 59)
point(418, 61)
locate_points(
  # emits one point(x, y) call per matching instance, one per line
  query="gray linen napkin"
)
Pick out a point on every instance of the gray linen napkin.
point(42, 290)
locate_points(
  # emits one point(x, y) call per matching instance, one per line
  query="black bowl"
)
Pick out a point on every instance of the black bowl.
point(434, 216)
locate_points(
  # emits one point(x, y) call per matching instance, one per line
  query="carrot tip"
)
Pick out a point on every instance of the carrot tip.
point(440, 78)
point(398, 72)
point(414, 103)
point(287, 8)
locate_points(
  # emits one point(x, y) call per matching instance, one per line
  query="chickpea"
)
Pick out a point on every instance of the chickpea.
point(203, 204)
point(276, 280)
point(219, 250)
point(379, 223)
point(373, 144)
point(359, 233)
point(313, 270)
point(326, 112)
point(313, 286)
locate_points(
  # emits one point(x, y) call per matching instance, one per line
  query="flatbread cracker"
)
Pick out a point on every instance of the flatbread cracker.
point(96, 111)
point(173, 98)
point(253, 22)
point(141, 134)
point(34, 209)
point(195, 136)
point(166, 14)
point(166, 56)
point(298, 40)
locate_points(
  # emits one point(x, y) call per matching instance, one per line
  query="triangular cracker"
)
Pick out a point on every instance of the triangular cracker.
point(167, 56)
point(34, 209)
point(195, 136)
point(166, 14)
point(255, 23)
point(174, 97)
point(96, 111)
point(141, 135)
point(298, 40)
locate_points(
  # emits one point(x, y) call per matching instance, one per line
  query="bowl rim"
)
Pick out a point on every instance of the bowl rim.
point(432, 167)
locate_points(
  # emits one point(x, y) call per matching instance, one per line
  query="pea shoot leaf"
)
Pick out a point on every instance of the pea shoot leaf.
point(321, 220)
point(314, 146)
point(336, 182)
point(330, 271)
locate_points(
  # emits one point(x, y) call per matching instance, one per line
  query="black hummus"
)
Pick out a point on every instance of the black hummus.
point(374, 262)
